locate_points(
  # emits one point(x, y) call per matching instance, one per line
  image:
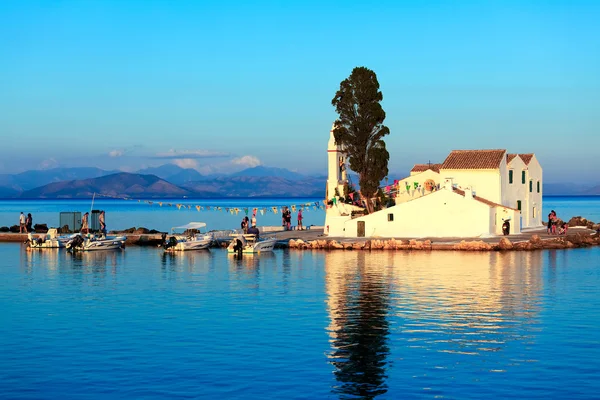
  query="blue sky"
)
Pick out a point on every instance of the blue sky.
point(223, 85)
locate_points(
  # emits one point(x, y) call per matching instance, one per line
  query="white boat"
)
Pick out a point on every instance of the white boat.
point(189, 241)
point(250, 244)
point(49, 241)
point(93, 243)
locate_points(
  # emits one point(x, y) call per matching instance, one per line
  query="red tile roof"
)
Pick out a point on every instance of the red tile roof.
point(526, 158)
point(474, 159)
point(510, 157)
point(425, 167)
point(484, 201)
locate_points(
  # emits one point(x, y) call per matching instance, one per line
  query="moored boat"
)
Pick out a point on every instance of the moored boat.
point(192, 238)
point(92, 243)
point(48, 241)
point(250, 244)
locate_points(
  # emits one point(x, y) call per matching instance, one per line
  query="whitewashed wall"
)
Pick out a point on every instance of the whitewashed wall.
point(440, 214)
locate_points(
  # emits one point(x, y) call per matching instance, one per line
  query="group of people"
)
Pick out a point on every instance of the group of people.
point(25, 223)
point(553, 222)
point(286, 219)
point(85, 227)
point(249, 225)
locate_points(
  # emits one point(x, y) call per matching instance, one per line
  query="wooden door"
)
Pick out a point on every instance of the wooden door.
point(361, 229)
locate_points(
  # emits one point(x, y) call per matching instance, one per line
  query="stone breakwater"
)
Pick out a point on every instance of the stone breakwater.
point(534, 243)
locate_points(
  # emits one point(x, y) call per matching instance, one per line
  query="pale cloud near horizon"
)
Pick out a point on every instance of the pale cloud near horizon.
point(185, 163)
point(49, 164)
point(116, 153)
point(247, 161)
point(190, 154)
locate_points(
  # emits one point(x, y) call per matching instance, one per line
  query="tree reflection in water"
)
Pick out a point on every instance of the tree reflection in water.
point(359, 302)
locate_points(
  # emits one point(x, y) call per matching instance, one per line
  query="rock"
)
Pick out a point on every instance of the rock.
point(377, 244)
point(427, 244)
point(4, 229)
point(292, 244)
point(523, 246)
point(535, 239)
point(141, 231)
point(14, 229)
point(347, 246)
point(477, 245)
point(578, 221)
point(505, 244)
point(40, 228)
point(335, 245)
point(357, 246)
point(130, 230)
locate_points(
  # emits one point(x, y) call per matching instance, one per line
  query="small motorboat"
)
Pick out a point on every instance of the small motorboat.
point(93, 243)
point(192, 238)
point(49, 241)
point(250, 244)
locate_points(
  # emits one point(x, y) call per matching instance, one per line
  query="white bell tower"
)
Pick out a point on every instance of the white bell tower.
point(336, 168)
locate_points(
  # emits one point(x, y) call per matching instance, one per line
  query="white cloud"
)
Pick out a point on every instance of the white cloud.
point(247, 161)
point(186, 163)
point(189, 154)
point(116, 153)
point(49, 164)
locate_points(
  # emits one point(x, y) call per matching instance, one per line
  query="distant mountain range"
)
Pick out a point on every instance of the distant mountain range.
point(165, 181)
point(170, 180)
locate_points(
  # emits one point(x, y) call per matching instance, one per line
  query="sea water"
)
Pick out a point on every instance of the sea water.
point(138, 323)
point(163, 214)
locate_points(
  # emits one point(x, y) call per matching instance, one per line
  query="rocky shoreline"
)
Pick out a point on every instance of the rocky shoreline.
point(535, 243)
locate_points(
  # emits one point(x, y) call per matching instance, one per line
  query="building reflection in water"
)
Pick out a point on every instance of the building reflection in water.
point(469, 304)
point(358, 303)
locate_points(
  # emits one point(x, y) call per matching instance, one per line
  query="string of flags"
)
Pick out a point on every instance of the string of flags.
point(304, 207)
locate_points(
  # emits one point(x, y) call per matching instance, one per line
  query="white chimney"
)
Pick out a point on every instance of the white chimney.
point(468, 193)
point(448, 184)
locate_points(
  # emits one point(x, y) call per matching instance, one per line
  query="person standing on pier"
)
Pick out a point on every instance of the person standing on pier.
point(29, 223)
point(84, 224)
point(300, 227)
point(101, 219)
point(22, 227)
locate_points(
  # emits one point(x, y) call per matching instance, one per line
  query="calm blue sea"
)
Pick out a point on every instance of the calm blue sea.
point(121, 214)
point(138, 323)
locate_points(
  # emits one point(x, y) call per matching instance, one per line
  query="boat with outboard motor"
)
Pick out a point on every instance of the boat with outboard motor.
point(192, 238)
point(250, 244)
point(48, 241)
point(95, 243)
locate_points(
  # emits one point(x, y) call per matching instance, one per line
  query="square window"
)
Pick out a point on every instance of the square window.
point(390, 217)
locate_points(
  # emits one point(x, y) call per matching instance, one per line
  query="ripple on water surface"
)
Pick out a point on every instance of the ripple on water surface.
point(138, 323)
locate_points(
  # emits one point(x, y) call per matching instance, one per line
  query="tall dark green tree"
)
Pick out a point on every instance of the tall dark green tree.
point(360, 129)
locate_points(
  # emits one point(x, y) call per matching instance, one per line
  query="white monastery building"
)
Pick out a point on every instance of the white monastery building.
point(471, 194)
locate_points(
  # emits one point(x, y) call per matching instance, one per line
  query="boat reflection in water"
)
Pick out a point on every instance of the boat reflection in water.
point(437, 308)
point(187, 261)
